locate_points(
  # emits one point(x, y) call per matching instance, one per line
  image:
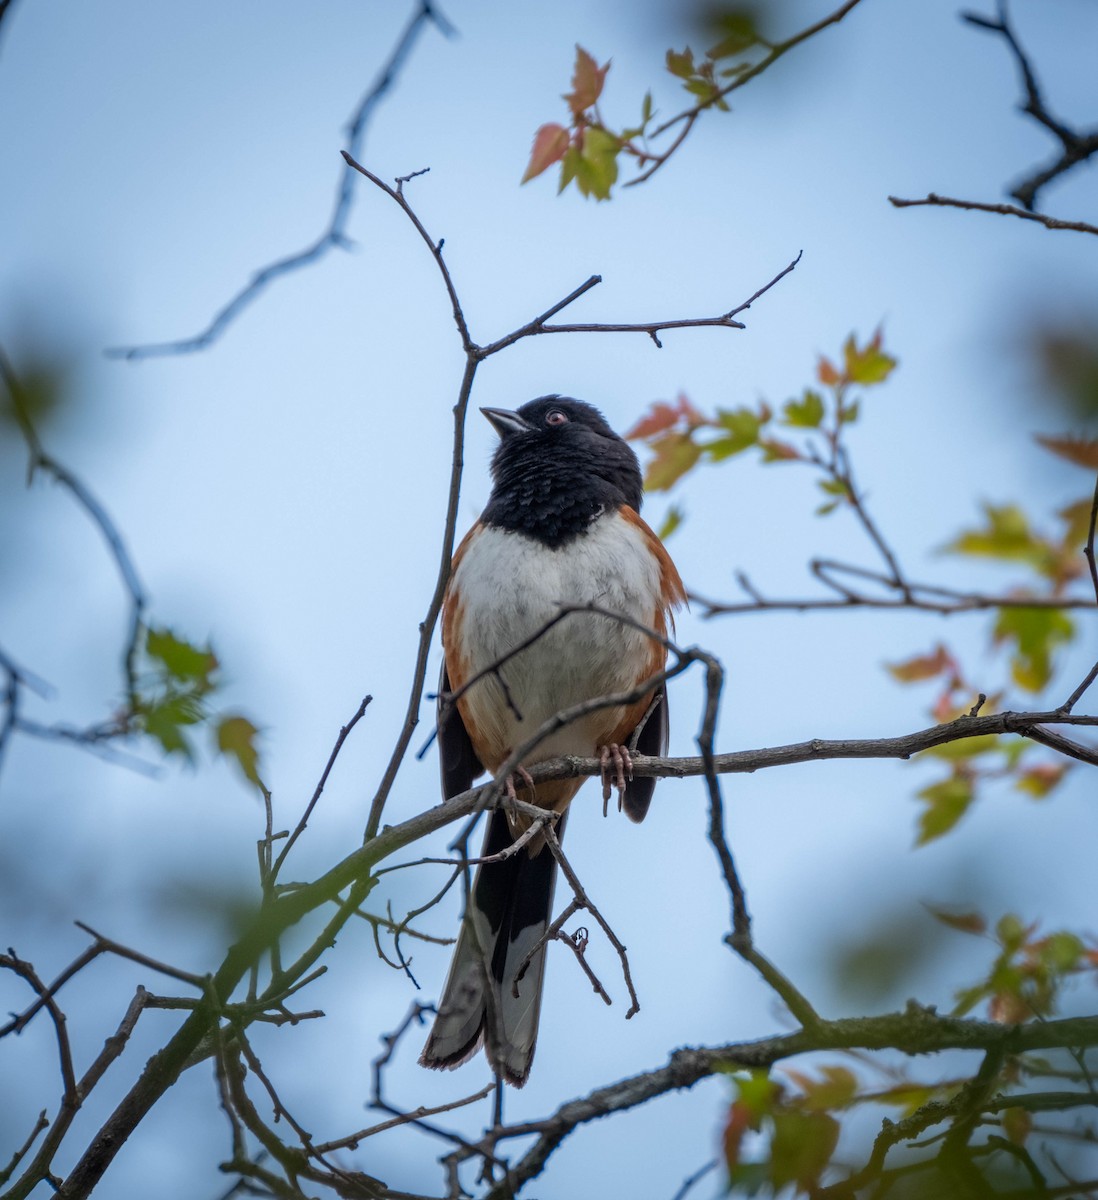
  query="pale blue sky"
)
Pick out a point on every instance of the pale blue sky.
point(282, 494)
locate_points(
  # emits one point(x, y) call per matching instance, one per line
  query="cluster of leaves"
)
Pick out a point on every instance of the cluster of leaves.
point(1029, 971)
point(679, 437)
point(176, 684)
point(971, 761)
point(588, 149)
point(782, 1130)
point(800, 1131)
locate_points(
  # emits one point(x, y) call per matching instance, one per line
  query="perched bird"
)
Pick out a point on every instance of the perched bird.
point(561, 528)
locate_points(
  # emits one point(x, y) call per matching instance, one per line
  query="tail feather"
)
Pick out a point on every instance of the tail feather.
point(509, 910)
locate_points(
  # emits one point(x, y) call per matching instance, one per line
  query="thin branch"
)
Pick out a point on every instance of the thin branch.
point(110, 946)
point(41, 460)
point(654, 328)
point(584, 901)
point(335, 233)
point(344, 733)
point(920, 597)
point(1076, 146)
point(916, 1031)
point(689, 1182)
point(689, 117)
point(1010, 210)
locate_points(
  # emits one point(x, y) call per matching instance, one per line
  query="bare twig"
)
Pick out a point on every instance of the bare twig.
point(652, 328)
point(299, 829)
point(689, 117)
point(689, 1182)
point(109, 946)
point(335, 233)
point(919, 597)
point(1010, 210)
point(39, 459)
point(1075, 146)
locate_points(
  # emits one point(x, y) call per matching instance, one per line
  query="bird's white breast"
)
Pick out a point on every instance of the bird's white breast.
point(511, 585)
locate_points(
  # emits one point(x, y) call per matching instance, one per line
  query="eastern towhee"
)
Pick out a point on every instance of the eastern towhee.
point(561, 528)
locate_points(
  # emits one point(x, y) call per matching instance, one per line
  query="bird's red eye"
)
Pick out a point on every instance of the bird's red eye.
point(556, 417)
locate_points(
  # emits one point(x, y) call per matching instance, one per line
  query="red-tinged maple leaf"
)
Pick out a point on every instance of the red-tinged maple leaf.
point(969, 922)
point(739, 1122)
point(1083, 452)
point(587, 82)
point(1008, 1008)
point(826, 372)
point(945, 708)
point(659, 418)
point(775, 450)
point(550, 143)
point(923, 666)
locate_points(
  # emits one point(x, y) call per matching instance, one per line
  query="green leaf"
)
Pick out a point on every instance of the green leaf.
point(597, 168)
point(165, 721)
point(801, 1148)
point(1006, 535)
point(869, 364)
point(569, 165)
point(180, 659)
point(1062, 951)
point(681, 65)
point(1011, 932)
point(739, 34)
point(671, 522)
point(705, 89)
point(675, 454)
point(806, 413)
point(758, 1092)
point(743, 427)
point(646, 108)
point(236, 737)
point(1035, 632)
point(1037, 781)
point(946, 803)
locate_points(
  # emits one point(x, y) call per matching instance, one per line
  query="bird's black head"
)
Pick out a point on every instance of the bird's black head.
point(558, 466)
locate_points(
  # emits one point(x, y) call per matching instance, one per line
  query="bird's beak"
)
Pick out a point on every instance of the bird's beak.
point(505, 422)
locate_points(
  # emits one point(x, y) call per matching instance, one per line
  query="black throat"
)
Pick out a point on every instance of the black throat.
point(553, 483)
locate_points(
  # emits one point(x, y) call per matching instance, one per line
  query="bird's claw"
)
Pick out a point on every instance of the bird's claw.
point(524, 777)
point(617, 770)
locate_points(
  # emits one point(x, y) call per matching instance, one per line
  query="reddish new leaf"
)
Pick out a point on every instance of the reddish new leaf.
point(587, 82)
point(550, 143)
point(922, 666)
point(970, 922)
point(826, 372)
point(660, 417)
point(1083, 452)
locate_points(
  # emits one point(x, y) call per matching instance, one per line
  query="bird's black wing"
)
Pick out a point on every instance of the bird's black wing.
point(652, 740)
point(456, 757)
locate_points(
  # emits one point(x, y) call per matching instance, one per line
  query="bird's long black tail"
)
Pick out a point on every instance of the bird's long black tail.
point(510, 908)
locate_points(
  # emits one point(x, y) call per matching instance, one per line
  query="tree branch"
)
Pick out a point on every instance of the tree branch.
point(1010, 210)
point(335, 232)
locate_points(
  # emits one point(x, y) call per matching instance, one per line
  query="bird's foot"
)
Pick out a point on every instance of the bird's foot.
point(524, 777)
point(617, 770)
